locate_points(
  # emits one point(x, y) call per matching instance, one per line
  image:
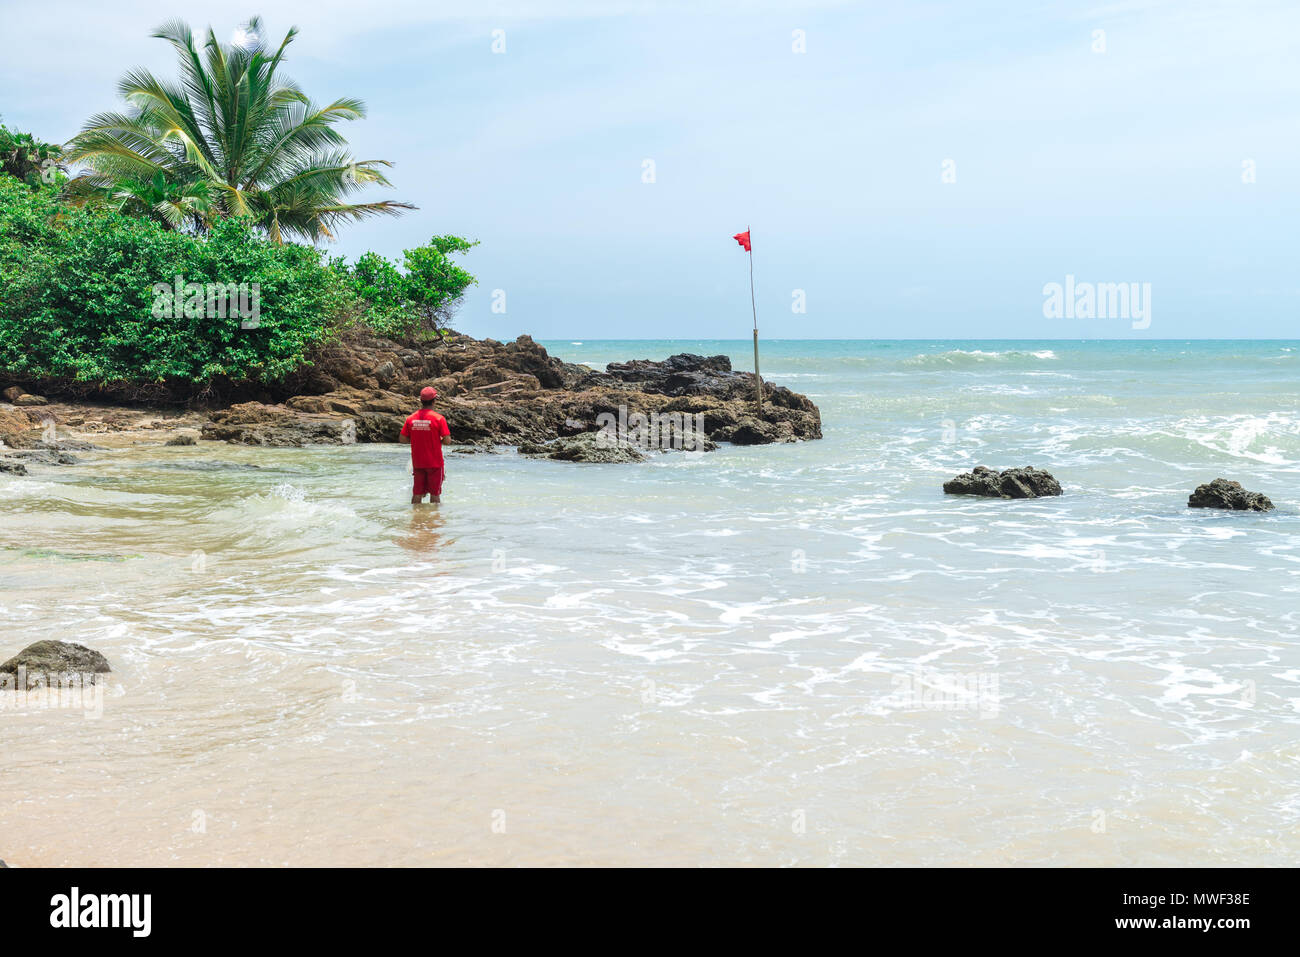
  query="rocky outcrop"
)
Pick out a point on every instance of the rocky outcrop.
point(457, 365)
point(26, 446)
point(46, 663)
point(594, 447)
point(1221, 493)
point(17, 428)
point(255, 423)
point(681, 374)
point(46, 454)
point(363, 389)
point(1009, 483)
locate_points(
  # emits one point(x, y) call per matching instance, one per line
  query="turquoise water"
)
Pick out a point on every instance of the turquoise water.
point(801, 654)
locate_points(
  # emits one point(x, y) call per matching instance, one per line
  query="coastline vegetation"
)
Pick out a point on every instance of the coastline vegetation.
point(229, 177)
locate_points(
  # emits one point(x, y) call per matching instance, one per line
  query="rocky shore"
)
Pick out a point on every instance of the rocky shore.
point(362, 387)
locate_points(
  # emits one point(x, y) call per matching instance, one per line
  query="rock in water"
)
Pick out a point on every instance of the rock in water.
point(1222, 493)
point(596, 447)
point(181, 439)
point(44, 661)
point(1009, 483)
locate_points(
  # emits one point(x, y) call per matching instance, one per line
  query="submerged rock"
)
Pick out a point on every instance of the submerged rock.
point(596, 447)
point(1222, 493)
point(182, 439)
point(12, 466)
point(1009, 483)
point(68, 445)
point(44, 661)
point(50, 455)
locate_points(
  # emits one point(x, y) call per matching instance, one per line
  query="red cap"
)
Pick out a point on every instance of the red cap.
point(428, 394)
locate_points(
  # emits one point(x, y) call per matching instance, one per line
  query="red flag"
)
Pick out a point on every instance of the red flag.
point(743, 239)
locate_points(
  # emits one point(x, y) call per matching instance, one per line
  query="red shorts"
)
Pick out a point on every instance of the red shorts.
point(427, 481)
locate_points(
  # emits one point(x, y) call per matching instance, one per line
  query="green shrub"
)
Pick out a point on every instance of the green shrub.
point(78, 298)
point(417, 299)
point(29, 159)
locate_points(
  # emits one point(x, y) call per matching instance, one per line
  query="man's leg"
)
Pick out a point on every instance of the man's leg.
point(435, 485)
point(420, 478)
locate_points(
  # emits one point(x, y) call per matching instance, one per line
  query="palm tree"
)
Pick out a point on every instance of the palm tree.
point(232, 138)
point(171, 202)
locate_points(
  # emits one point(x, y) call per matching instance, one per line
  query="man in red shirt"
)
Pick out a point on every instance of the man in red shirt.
point(426, 431)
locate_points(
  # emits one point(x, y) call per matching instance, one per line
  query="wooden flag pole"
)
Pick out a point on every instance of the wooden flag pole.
point(758, 379)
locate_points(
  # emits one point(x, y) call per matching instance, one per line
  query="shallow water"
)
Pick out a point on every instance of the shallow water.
point(802, 654)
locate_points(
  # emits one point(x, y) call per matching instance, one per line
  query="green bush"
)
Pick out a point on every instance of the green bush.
point(417, 299)
point(29, 159)
point(78, 297)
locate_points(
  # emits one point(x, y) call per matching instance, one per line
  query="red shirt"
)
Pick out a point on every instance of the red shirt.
point(426, 429)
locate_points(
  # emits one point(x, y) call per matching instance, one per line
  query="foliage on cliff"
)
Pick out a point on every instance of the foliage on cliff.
point(89, 294)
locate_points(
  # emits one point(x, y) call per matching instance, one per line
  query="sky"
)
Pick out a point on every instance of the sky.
point(909, 170)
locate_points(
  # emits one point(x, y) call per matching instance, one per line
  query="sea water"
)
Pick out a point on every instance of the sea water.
point(800, 654)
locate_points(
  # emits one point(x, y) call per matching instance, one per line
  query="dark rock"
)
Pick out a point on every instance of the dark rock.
point(748, 430)
point(1222, 493)
point(67, 445)
point(205, 466)
point(182, 439)
point(681, 374)
point(44, 456)
point(45, 661)
point(12, 393)
point(597, 447)
point(1010, 483)
point(12, 466)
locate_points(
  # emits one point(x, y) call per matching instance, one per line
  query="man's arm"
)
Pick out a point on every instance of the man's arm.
point(406, 439)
